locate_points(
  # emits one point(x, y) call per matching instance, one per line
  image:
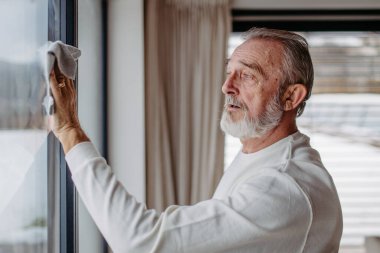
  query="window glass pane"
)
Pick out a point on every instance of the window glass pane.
point(23, 133)
point(342, 119)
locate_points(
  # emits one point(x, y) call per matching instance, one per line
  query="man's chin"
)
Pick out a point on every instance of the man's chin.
point(234, 117)
point(231, 126)
point(242, 129)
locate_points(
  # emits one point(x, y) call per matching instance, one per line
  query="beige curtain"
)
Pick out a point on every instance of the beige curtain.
point(186, 44)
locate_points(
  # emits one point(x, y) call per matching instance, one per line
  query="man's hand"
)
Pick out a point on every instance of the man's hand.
point(65, 122)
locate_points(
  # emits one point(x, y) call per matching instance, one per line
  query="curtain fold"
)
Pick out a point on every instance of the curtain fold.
point(186, 46)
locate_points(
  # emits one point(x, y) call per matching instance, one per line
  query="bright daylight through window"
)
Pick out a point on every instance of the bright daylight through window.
point(23, 133)
point(343, 120)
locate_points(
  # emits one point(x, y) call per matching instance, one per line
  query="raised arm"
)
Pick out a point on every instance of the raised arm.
point(257, 218)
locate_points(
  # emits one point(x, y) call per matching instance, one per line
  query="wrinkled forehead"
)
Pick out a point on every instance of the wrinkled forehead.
point(268, 54)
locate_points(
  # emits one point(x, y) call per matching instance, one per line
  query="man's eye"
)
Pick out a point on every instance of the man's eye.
point(247, 76)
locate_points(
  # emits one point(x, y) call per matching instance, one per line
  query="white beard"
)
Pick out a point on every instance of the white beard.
point(256, 126)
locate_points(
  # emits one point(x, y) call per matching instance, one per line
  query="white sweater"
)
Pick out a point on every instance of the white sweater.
point(280, 199)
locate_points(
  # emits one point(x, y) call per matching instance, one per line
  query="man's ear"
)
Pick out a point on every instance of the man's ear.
point(293, 96)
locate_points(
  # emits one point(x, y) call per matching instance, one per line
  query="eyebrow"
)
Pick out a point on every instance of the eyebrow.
point(253, 66)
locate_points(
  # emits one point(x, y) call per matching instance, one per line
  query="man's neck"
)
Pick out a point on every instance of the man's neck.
point(283, 130)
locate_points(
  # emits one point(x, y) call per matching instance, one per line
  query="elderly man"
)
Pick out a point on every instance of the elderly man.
point(275, 197)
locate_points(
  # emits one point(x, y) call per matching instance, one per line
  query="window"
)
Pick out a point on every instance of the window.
point(23, 134)
point(36, 197)
point(342, 119)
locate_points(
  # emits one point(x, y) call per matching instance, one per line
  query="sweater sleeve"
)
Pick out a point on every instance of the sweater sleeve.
point(267, 214)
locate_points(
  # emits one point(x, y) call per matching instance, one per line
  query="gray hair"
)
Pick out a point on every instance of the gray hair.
point(297, 65)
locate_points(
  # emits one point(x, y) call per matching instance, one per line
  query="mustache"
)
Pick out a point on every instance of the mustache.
point(231, 100)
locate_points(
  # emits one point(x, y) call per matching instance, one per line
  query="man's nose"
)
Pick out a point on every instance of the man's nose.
point(230, 87)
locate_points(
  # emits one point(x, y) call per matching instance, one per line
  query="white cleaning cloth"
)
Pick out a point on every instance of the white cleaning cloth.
point(66, 57)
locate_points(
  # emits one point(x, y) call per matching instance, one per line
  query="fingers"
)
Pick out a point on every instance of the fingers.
point(54, 86)
point(62, 89)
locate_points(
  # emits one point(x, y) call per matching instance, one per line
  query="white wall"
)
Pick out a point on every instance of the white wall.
point(126, 144)
point(305, 4)
point(89, 104)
